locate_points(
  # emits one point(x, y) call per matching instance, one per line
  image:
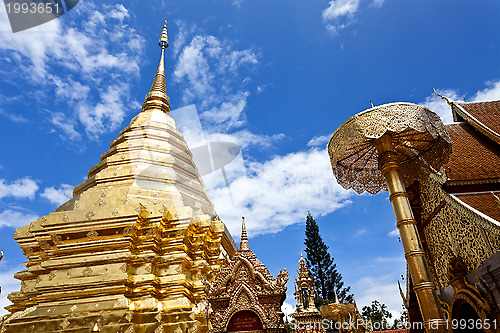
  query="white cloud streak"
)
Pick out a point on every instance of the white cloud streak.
point(19, 189)
point(381, 288)
point(8, 284)
point(58, 196)
point(211, 72)
point(339, 15)
point(88, 54)
point(279, 192)
point(15, 219)
point(319, 141)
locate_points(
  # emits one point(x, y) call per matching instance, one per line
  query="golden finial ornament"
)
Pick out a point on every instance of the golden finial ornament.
point(157, 97)
point(164, 36)
point(244, 245)
point(443, 97)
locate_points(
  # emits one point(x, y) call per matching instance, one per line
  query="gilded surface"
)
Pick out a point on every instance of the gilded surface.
point(246, 284)
point(416, 132)
point(306, 312)
point(347, 314)
point(127, 253)
point(455, 231)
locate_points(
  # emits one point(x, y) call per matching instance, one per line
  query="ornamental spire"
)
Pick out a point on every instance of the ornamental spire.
point(244, 237)
point(157, 97)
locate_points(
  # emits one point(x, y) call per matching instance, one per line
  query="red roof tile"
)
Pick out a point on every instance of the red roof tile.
point(485, 116)
point(474, 157)
point(487, 203)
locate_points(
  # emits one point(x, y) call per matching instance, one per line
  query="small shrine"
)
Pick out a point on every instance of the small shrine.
point(245, 296)
point(347, 316)
point(307, 317)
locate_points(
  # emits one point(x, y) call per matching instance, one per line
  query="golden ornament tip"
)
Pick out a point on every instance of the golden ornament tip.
point(164, 36)
point(443, 97)
point(157, 97)
point(244, 237)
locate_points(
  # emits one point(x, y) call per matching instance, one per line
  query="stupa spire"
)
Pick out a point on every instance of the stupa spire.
point(244, 237)
point(157, 97)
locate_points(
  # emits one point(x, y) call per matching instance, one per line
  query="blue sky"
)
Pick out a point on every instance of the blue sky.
point(275, 77)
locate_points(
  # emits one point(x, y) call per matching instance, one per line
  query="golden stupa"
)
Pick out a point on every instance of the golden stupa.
point(129, 251)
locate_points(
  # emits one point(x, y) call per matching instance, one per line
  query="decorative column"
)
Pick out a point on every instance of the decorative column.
point(388, 147)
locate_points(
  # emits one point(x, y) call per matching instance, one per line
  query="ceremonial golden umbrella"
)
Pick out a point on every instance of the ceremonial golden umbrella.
point(388, 147)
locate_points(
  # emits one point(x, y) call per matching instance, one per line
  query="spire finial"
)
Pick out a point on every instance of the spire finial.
point(244, 237)
point(164, 36)
point(443, 97)
point(157, 96)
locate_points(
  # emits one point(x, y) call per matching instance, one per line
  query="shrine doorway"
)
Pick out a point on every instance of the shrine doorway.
point(245, 321)
point(465, 315)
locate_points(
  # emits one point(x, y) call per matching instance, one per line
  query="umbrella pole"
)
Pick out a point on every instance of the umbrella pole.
point(422, 283)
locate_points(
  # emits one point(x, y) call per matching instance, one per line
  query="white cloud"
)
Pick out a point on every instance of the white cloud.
point(229, 112)
point(13, 117)
point(288, 309)
point(84, 55)
point(383, 289)
point(377, 3)
point(319, 140)
point(211, 72)
point(245, 138)
point(20, 188)
point(490, 93)
point(214, 76)
point(394, 233)
point(438, 105)
point(359, 233)
point(397, 259)
point(107, 113)
point(339, 14)
point(14, 114)
point(66, 124)
point(8, 284)
point(279, 192)
point(58, 196)
point(340, 8)
point(15, 219)
point(237, 3)
point(119, 12)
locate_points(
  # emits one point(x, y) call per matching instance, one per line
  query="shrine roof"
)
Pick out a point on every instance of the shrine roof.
point(484, 116)
point(487, 203)
point(474, 158)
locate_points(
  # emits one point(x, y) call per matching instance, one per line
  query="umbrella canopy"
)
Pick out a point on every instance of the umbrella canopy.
point(419, 138)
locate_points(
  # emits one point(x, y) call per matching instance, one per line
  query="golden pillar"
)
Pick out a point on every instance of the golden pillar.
point(388, 147)
point(407, 226)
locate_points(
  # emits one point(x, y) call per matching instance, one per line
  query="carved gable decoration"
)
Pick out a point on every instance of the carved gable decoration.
point(246, 289)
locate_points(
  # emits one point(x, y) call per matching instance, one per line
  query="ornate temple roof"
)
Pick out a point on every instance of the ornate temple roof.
point(473, 169)
point(245, 284)
point(484, 116)
point(474, 157)
point(488, 203)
